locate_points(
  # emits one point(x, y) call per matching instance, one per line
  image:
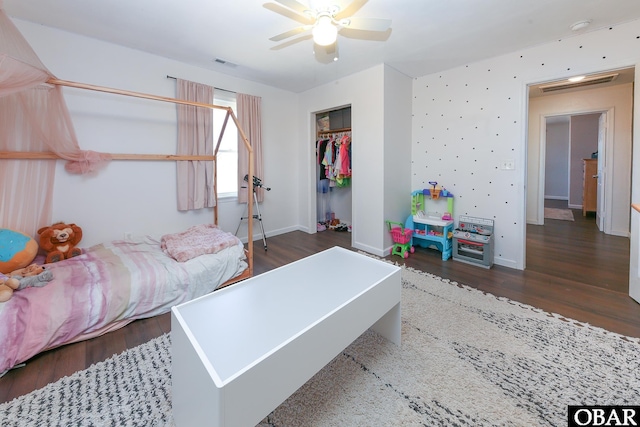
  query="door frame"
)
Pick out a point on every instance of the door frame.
point(634, 244)
point(313, 185)
point(602, 173)
point(607, 188)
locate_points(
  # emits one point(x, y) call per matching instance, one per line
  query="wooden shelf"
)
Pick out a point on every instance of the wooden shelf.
point(326, 132)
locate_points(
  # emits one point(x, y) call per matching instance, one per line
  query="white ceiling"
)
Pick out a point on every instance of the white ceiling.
point(427, 36)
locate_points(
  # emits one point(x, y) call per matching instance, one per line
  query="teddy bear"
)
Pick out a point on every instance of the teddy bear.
point(59, 241)
point(33, 275)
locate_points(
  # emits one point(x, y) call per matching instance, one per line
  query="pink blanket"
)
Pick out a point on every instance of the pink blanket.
point(198, 240)
point(105, 288)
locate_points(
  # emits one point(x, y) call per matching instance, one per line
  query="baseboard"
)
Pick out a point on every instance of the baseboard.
point(621, 233)
point(556, 197)
point(506, 263)
point(370, 249)
point(258, 235)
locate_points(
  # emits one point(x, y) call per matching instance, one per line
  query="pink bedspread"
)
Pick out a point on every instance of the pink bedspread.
point(107, 287)
point(197, 240)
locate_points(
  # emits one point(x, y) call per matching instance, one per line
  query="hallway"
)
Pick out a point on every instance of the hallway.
point(595, 258)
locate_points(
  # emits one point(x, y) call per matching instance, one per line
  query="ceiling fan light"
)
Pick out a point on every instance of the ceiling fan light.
point(324, 33)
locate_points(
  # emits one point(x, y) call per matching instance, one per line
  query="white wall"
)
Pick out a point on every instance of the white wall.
point(556, 177)
point(371, 112)
point(470, 119)
point(634, 241)
point(139, 197)
point(363, 91)
point(397, 149)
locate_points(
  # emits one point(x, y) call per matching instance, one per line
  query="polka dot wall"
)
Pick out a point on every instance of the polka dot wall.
point(469, 121)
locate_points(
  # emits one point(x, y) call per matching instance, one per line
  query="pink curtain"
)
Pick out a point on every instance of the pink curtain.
point(250, 118)
point(33, 117)
point(195, 137)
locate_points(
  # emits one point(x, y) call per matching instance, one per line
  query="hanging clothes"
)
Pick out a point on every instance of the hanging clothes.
point(343, 175)
point(334, 158)
point(321, 146)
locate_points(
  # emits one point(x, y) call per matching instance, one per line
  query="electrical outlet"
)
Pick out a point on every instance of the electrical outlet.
point(508, 164)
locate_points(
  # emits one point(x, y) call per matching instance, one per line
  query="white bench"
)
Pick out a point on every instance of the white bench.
point(241, 351)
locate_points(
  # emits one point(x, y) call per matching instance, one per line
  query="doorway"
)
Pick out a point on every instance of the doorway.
point(573, 166)
point(333, 145)
point(616, 101)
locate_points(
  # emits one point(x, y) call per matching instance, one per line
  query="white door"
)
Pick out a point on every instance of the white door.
point(600, 210)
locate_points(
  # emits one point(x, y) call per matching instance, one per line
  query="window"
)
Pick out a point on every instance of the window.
point(228, 151)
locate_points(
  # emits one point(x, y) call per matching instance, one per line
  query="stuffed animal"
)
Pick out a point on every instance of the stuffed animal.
point(32, 276)
point(7, 286)
point(59, 241)
point(17, 250)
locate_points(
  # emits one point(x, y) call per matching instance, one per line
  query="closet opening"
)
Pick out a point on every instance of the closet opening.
point(333, 170)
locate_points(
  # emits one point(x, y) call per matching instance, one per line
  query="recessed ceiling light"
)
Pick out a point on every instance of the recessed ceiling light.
point(576, 78)
point(580, 25)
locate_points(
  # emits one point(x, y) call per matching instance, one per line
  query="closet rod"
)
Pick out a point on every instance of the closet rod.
point(216, 88)
point(323, 132)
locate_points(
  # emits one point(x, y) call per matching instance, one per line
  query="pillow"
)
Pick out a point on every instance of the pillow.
point(17, 250)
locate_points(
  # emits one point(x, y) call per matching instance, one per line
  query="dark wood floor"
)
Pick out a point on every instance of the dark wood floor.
point(572, 269)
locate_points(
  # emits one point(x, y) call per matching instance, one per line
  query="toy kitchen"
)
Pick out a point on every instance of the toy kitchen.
point(473, 241)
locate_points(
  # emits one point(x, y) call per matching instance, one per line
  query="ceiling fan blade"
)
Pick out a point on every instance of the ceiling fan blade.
point(352, 8)
point(368, 24)
point(290, 33)
point(304, 19)
point(291, 42)
point(378, 36)
point(293, 5)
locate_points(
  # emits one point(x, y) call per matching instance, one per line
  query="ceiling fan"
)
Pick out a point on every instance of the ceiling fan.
point(323, 21)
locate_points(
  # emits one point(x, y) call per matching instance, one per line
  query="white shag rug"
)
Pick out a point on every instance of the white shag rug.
point(467, 359)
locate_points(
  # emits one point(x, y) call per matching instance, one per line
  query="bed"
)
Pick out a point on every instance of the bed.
point(110, 284)
point(107, 287)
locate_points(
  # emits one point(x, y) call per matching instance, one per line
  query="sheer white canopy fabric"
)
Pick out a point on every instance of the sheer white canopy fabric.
point(20, 67)
point(34, 118)
point(41, 106)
